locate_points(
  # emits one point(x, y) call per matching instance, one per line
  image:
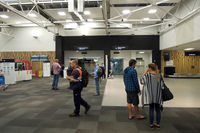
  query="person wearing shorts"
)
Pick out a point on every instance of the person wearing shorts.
point(132, 89)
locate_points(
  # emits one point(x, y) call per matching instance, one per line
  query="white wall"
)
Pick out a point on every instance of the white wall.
point(23, 40)
point(186, 32)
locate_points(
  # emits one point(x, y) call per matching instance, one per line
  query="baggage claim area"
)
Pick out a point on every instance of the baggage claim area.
point(99, 66)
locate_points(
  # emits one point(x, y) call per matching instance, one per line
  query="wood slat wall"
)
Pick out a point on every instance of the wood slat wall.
point(183, 63)
point(27, 56)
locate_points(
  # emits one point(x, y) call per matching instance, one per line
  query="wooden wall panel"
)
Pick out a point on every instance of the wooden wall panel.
point(27, 56)
point(183, 63)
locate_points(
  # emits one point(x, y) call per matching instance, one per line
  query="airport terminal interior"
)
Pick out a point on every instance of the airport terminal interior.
point(42, 40)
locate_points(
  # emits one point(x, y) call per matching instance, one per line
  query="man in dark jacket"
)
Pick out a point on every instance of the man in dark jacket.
point(132, 89)
point(76, 86)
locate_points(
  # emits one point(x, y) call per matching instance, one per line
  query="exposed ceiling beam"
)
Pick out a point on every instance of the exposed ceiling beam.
point(19, 13)
point(106, 13)
point(43, 11)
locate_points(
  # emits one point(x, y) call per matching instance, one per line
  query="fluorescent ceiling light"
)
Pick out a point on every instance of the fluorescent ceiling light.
point(32, 15)
point(152, 11)
point(146, 19)
point(68, 20)
point(71, 26)
point(125, 19)
point(18, 22)
point(141, 52)
point(87, 12)
point(4, 16)
point(189, 49)
point(126, 11)
point(61, 13)
point(90, 20)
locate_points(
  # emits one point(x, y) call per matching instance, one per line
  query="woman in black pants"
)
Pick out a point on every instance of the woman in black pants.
point(152, 93)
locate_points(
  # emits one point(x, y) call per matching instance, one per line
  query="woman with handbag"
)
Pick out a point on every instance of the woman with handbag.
point(152, 93)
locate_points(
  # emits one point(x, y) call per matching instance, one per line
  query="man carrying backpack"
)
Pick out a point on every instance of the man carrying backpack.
point(97, 73)
point(77, 86)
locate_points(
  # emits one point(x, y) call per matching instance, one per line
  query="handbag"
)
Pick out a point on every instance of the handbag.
point(166, 93)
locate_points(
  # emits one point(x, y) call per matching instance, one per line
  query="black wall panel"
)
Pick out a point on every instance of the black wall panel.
point(107, 43)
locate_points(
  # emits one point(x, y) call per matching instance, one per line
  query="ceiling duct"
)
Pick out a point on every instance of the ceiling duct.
point(74, 8)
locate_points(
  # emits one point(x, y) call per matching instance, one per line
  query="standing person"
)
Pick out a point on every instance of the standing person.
point(56, 71)
point(96, 78)
point(152, 93)
point(76, 86)
point(132, 89)
point(103, 71)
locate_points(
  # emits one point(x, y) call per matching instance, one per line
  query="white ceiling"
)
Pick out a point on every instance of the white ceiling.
point(195, 45)
point(96, 12)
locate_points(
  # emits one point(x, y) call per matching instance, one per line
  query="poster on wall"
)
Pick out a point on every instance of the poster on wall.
point(9, 72)
point(46, 69)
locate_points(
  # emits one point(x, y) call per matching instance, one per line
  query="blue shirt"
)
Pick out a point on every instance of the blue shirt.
point(95, 71)
point(131, 80)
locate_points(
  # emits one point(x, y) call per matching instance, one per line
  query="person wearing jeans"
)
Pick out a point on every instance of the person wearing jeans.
point(96, 78)
point(153, 107)
point(56, 72)
point(152, 93)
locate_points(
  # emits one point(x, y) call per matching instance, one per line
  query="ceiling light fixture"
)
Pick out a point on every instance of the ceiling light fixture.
point(4, 16)
point(141, 52)
point(68, 20)
point(90, 20)
point(124, 19)
point(100, 6)
point(189, 49)
point(32, 15)
point(86, 12)
point(152, 11)
point(126, 11)
point(146, 19)
point(61, 13)
point(18, 22)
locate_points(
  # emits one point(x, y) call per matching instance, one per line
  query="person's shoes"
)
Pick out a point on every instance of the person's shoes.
point(56, 89)
point(74, 115)
point(53, 88)
point(151, 126)
point(97, 95)
point(139, 117)
point(87, 109)
point(130, 118)
point(157, 126)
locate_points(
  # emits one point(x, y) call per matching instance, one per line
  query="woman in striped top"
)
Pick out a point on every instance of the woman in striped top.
point(152, 93)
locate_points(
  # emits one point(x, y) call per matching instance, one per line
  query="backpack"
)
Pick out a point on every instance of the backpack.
point(99, 72)
point(85, 77)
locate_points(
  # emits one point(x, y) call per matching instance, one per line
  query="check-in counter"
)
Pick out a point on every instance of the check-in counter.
point(23, 75)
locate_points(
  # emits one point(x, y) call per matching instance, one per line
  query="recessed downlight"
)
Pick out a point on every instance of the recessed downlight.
point(152, 11)
point(126, 11)
point(4, 16)
point(189, 49)
point(87, 13)
point(61, 13)
point(90, 20)
point(146, 19)
point(33, 15)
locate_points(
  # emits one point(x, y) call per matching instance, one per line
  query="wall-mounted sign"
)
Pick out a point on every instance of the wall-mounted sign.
point(39, 58)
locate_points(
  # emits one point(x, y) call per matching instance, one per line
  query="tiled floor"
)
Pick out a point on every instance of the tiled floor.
point(186, 92)
point(31, 107)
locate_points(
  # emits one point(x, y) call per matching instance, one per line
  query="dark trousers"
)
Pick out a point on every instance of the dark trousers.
point(78, 100)
point(153, 107)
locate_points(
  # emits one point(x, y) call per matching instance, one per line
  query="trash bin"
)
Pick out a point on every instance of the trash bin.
point(36, 74)
point(40, 74)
